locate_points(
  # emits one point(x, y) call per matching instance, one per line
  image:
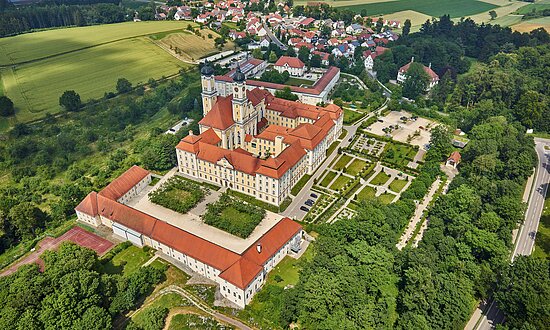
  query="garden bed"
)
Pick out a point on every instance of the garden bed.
point(233, 216)
point(328, 179)
point(178, 194)
point(366, 194)
point(355, 167)
point(340, 182)
point(380, 179)
point(397, 185)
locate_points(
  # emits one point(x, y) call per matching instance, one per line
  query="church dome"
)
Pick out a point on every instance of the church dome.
point(239, 76)
point(207, 69)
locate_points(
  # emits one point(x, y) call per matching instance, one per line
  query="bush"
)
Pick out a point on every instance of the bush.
point(178, 195)
point(6, 107)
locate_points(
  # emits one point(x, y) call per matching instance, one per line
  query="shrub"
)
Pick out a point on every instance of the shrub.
point(178, 194)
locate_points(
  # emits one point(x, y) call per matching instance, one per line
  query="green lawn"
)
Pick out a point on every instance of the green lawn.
point(35, 88)
point(366, 194)
point(300, 184)
point(178, 194)
point(538, 6)
point(386, 198)
point(506, 20)
point(355, 167)
point(397, 185)
point(542, 241)
point(193, 322)
point(351, 116)
point(233, 215)
point(380, 179)
point(292, 81)
point(31, 46)
point(343, 134)
point(127, 261)
point(328, 178)
point(399, 154)
point(288, 270)
point(340, 182)
point(455, 8)
point(342, 162)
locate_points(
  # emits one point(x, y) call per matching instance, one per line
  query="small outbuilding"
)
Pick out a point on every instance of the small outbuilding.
point(454, 159)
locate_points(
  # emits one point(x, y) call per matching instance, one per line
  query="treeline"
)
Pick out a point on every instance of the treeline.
point(73, 292)
point(31, 156)
point(26, 19)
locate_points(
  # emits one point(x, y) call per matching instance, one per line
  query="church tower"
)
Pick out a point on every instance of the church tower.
point(239, 96)
point(209, 93)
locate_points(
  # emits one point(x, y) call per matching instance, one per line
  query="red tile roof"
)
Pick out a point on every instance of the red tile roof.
point(292, 62)
point(89, 205)
point(429, 71)
point(124, 183)
point(221, 114)
point(455, 156)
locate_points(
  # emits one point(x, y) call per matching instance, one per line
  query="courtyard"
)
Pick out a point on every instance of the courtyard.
point(411, 131)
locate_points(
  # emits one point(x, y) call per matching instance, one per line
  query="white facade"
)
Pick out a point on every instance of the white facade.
point(293, 71)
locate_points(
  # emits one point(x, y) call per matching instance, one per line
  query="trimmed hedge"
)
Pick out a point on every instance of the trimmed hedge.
point(165, 196)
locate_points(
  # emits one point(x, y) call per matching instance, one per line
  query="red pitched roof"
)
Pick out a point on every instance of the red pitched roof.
point(292, 62)
point(455, 156)
point(221, 114)
point(89, 205)
point(124, 183)
point(428, 70)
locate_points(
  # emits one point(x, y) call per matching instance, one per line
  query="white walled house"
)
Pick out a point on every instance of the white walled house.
point(402, 74)
point(292, 65)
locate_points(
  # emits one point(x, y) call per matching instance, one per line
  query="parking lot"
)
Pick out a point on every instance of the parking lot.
point(415, 132)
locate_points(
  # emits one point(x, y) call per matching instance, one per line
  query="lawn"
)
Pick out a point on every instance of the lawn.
point(292, 81)
point(328, 179)
point(530, 25)
point(288, 270)
point(542, 241)
point(399, 154)
point(31, 46)
point(178, 194)
point(35, 88)
point(351, 116)
point(233, 216)
point(127, 261)
point(193, 321)
point(355, 167)
point(201, 45)
point(340, 182)
point(380, 179)
point(538, 6)
point(342, 162)
point(300, 184)
point(386, 198)
point(397, 185)
point(455, 8)
point(367, 193)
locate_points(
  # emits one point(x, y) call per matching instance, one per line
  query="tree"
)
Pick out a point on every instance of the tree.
point(272, 57)
point(70, 100)
point(26, 219)
point(316, 61)
point(287, 94)
point(303, 54)
point(6, 107)
point(416, 82)
point(291, 52)
point(123, 86)
point(493, 14)
point(257, 53)
point(406, 27)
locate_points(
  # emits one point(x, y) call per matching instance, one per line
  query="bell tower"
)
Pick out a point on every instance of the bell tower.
point(209, 93)
point(239, 96)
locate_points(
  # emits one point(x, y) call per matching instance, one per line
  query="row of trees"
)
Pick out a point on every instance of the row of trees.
point(25, 19)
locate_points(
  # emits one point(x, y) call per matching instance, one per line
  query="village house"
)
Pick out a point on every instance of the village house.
point(433, 77)
point(292, 65)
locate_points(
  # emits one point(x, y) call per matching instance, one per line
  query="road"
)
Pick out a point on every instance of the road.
point(273, 38)
point(487, 316)
point(293, 211)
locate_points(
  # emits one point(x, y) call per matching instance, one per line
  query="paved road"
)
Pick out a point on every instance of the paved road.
point(488, 316)
point(273, 38)
point(293, 211)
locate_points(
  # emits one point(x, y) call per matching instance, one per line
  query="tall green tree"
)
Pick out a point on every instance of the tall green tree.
point(6, 106)
point(123, 85)
point(417, 81)
point(70, 100)
point(406, 27)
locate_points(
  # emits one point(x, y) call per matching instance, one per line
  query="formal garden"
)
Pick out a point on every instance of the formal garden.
point(178, 194)
point(233, 215)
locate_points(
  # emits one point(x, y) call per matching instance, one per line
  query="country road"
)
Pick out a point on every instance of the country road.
point(488, 316)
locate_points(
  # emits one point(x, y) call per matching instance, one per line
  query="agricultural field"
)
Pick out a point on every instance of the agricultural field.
point(89, 60)
point(202, 45)
point(537, 6)
point(32, 46)
point(530, 25)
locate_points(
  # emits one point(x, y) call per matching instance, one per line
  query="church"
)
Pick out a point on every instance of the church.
point(255, 143)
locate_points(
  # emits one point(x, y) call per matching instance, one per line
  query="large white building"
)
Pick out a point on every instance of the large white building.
point(292, 65)
point(319, 92)
point(255, 143)
point(433, 77)
point(239, 274)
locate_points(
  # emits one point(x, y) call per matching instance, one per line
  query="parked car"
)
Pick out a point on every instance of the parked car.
point(305, 209)
point(313, 195)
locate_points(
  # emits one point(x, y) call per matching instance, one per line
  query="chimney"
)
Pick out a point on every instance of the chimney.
point(259, 247)
point(190, 132)
point(278, 145)
point(430, 66)
point(412, 59)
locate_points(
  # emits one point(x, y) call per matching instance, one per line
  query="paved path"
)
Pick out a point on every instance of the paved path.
point(76, 235)
point(418, 213)
point(273, 38)
point(487, 315)
point(197, 303)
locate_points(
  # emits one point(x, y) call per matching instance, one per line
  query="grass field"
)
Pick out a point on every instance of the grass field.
point(530, 25)
point(366, 194)
point(355, 167)
point(36, 87)
point(455, 8)
point(415, 17)
point(538, 6)
point(201, 45)
point(386, 198)
point(292, 81)
point(195, 322)
point(399, 154)
point(328, 178)
point(32, 46)
point(397, 185)
point(351, 116)
point(341, 163)
point(380, 179)
point(340, 182)
point(127, 261)
point(506, 20)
